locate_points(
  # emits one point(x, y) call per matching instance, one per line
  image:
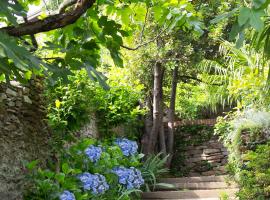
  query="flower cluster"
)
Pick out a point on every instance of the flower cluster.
point(130, 177)
point(94, 182)
point(128, 147)
point(67, 195)
point(93, 153)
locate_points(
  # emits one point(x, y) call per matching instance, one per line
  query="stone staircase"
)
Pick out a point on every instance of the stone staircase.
point(192, 188)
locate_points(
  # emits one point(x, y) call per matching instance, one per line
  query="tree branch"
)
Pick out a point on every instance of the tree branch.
point(146, 43)
point(199, 80)
point(145, 21)
point(51, 22)
point(66, 4)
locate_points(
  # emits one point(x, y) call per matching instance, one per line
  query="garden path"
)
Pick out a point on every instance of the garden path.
point(193, 188)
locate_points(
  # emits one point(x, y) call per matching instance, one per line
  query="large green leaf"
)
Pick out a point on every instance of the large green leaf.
point(255, 19)
point(244, 15)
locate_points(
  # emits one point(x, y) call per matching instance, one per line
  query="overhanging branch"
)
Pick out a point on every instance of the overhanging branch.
point(51, 22)
point(199, 80)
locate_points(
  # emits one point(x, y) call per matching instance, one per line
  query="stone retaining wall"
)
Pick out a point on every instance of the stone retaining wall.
point(206, 159)
point(23, 134)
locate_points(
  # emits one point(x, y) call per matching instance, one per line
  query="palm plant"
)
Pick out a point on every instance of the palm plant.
point(243, 74)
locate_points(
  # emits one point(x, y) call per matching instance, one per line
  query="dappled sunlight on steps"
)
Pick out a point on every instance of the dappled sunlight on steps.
point(188, 188)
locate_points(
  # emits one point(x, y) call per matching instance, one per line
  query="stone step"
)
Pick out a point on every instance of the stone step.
point(190, 199)
point(198, 186)
point(194, 194)
point(193, 179)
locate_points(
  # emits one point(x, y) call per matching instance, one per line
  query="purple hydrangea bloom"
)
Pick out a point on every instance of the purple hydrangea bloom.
point(128, 147)
point(94, 182)
point(130, 177)
point(67, 195)
point(93, 153)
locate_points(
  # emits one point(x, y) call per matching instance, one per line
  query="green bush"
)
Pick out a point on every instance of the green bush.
point(243, 133)
point(254, 178)
point(97, 158)
point(50, 184)
point(70, 105)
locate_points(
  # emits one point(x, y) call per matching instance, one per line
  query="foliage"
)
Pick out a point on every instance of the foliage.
point(255, 176)
point(242, 76)
point(72, 104)
point(111, 175)
point(241, 131)
point(76, 167)
point(153, 168)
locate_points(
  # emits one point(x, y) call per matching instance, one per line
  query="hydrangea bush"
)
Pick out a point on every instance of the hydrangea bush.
point(91, 170)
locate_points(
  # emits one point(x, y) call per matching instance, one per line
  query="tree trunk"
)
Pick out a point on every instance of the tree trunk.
point(148, 123)
point(157, 95)
point(162, 138)
point(171, 114)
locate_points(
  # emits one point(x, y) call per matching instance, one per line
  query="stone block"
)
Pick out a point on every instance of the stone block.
point(26, 99)
point(209, 173)
point(209, 151)
point(216, 157)
point(195, 151)
point(3, 97)
point(11, 92)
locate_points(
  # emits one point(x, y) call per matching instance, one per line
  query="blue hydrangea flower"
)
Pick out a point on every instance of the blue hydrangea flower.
point(67, 195)
point(128, 147)
point(129, 177)
point(94, 182)
point(93, 153)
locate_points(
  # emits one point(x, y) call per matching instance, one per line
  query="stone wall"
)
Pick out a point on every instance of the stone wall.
point(23, 134)
point(208, 158)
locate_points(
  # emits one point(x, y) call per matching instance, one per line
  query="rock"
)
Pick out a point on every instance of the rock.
point(15, 84)
point(194, 174)
point(195, 151)
point(209, 173)
point(26, 99)
point(18, 103)
point(3, 96)
point(209, 151)
point(216, 157)
point(26, 90)
point(11, 92)
point(11, 104)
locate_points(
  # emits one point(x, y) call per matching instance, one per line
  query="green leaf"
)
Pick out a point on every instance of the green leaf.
point(234, 31)
point(32, 165)
point(65, 168)
point(223, 16)
point(258, 3)
point(255, 19)
point(244, 16)
point(60, 177)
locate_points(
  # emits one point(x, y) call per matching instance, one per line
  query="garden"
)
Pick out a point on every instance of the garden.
point(116, 100)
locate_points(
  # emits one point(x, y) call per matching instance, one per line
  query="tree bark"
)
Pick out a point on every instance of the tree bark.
point(171, 114)
point(157, 94)
point(162, 138)
point(148, 124)
point(51, 22)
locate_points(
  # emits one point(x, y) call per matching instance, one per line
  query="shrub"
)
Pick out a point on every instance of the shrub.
point(245, 134)
point(89, 170)
point(70, 105)
point(254, 178)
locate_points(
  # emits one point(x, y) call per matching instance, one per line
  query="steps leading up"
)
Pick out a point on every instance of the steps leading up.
point(199, 186)
point(193, 179)
point(193, 188)
point(194, 194)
